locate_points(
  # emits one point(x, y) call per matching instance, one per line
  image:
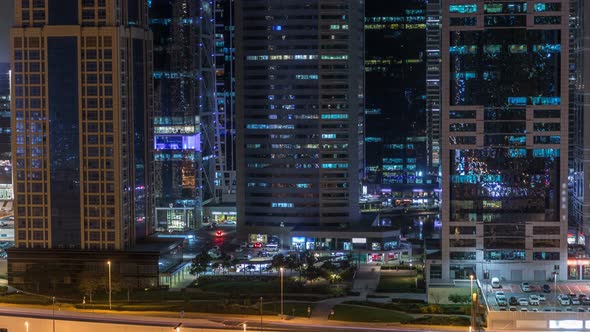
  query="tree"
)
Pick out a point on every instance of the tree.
point(227, 261)
point(278, 261)
point(89, 284)
point(200, 263)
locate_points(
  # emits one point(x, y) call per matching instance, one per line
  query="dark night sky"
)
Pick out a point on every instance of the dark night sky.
point(6, 15)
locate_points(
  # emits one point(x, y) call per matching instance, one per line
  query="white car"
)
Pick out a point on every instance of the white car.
point(534, 300)
point(525, 287)
point(500, 293)
point(575, 301)
point(564, 299)
point(542, 297)
point(523, 301)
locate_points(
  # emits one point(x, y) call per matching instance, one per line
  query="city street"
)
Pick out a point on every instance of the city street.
point(40, 320)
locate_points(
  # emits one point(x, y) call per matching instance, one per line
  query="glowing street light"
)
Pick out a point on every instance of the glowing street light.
point(244, 327)
point(281, 269)
point(26, 326)
point(110, 287)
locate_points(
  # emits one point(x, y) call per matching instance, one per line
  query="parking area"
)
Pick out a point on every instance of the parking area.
point(568, 297)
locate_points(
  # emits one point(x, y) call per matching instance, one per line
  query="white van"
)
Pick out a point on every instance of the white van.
point(496, 283)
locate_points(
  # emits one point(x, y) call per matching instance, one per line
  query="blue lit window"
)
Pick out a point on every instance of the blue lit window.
point(463, 9)
point(282, 205)
point(517, 100)
point(543, 153)
point(277, 28)
point(548, 48)
point(334, 116)
point(335, 165)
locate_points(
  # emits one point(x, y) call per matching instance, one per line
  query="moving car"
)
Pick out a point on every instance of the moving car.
point(496, 283)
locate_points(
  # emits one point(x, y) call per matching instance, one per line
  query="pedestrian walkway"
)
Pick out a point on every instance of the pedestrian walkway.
point(365, 282)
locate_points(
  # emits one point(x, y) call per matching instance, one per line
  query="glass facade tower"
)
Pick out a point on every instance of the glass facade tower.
point(505, 140)
point(81, 136)
point(184, 121)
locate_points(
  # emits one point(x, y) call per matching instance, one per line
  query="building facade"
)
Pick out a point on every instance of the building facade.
point(395, 106)
point(299, 113)
point(81, 132)
point(225, 169)
point(433, 83)
point(5, 130)
point(185, 112)
point(505, 140)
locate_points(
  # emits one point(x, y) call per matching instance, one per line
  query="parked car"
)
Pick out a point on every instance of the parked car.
point(523, 301)
point(581, 310)
point(542, 297)
point(512, 309)
point(575, 300)
point(564, 299)
point(524, 309)
point(525, 287)
point(546, 288)
point(569, 309)
point(534, 300)
point(513, 300)
point(501, 301)
point(500, 293)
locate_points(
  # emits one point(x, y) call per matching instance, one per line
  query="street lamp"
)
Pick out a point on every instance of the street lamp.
point(26, 326)
point(261, 314)
point(177, 327)
point(281, 269)
point(244, 327)
point(53, 312)
point(470, 284)
point(110, 287)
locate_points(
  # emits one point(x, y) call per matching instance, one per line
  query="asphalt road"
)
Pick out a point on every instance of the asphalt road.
point(214, 324)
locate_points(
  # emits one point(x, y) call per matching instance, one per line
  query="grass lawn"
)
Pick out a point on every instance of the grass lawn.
point(25, 299)
point(365, 314)
point(396, 284)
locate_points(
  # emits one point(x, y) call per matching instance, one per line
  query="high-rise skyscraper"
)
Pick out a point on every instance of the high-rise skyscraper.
point(5, 130)
point(433, 83)
point(504, 141)
point(580, 155)
point(395, 107)
point(299, 113)
point(82, 103)
point(225, 171)
point(185, 114)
